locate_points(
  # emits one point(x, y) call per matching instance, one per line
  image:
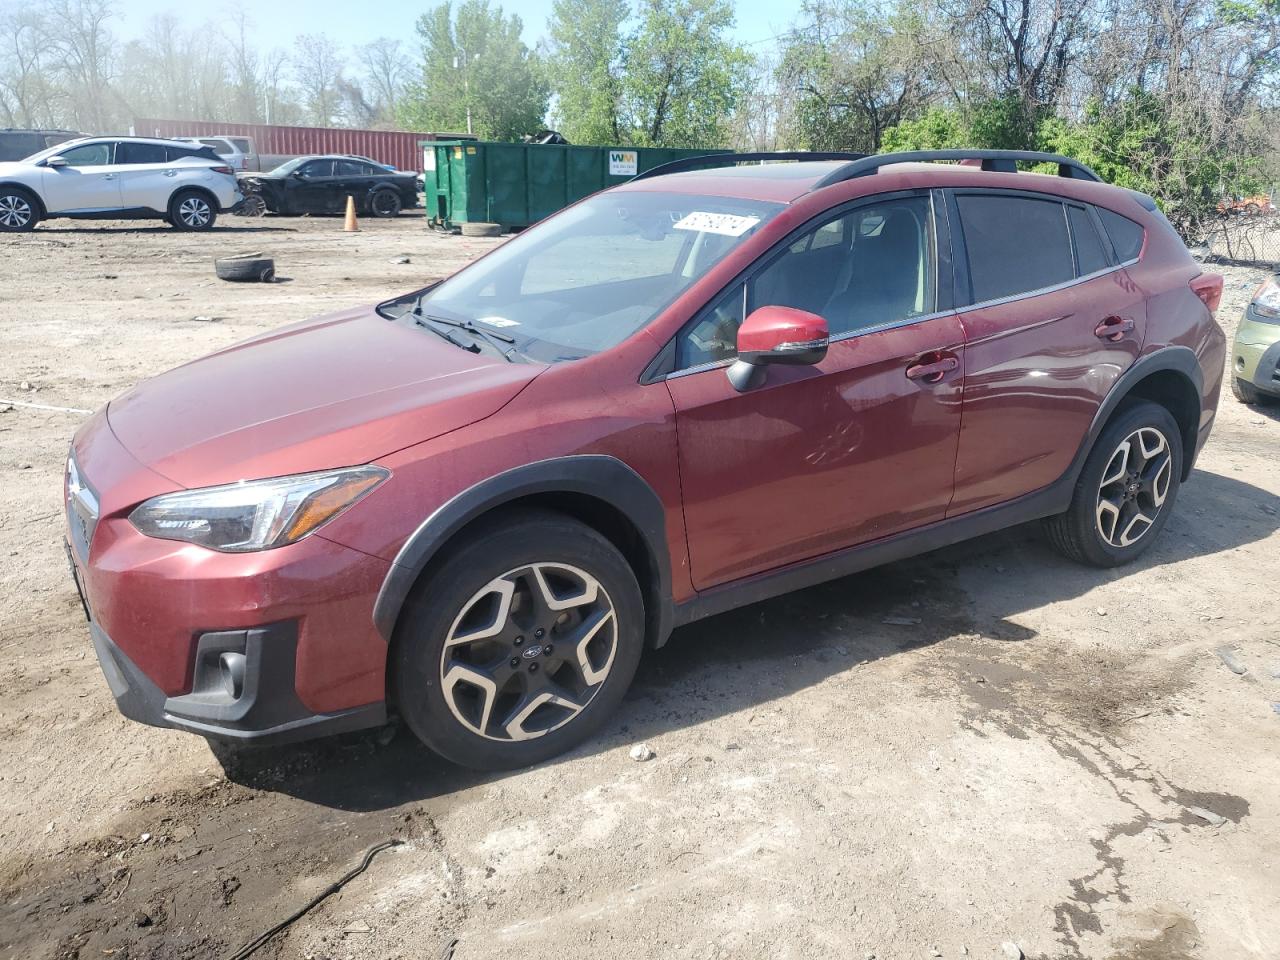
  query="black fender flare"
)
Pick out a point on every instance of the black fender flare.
point(1178, 359)
point(598, 476)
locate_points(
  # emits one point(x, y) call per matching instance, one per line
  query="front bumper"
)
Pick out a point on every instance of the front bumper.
point(1255, 355)
point(277, 644)
point(243, 690)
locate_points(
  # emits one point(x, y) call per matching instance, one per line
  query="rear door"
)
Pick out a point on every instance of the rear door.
point(858, 447)
point(1053, 321)
point(147, 177)
point(90, 181)
point(351, 179)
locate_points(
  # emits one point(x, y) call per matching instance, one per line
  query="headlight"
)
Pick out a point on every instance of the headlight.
point(257, 514)
point(1266, 299)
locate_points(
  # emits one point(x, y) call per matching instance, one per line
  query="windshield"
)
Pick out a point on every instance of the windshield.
point(50, 151)
point(590, 277)
point(289, 166)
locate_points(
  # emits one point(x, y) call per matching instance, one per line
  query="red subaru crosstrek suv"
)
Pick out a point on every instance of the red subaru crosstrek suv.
point(476, 504)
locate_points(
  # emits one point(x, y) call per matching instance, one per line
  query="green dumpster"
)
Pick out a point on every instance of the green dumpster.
point(517, 184)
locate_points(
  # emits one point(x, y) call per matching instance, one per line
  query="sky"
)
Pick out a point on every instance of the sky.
point(277, 23)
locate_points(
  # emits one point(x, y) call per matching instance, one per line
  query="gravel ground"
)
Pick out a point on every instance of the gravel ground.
point(1053, 757)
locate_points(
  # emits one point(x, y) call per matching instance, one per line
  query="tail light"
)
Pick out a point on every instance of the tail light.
point(226, 170)
point(1266, 299)
point(1208, 287)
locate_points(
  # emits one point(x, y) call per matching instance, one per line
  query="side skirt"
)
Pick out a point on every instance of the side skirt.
point(1047, 502)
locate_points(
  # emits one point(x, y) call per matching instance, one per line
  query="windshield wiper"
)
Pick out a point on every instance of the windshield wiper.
point(469, 345)
point(504, 344)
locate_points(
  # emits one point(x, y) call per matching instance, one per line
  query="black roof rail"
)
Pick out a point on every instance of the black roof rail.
point(1002, 161)
point(723, 159)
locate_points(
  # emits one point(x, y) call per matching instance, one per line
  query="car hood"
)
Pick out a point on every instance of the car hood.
point(331, 392)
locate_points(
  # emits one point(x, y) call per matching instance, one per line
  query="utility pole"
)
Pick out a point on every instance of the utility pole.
point(466, 81)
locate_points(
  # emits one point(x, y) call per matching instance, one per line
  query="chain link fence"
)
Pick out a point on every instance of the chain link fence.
point(1245, 239)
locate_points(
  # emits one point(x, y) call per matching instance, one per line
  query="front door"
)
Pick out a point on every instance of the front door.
point(313, 190)
point(89, 182)
point(1055, 322)
point(858, 447)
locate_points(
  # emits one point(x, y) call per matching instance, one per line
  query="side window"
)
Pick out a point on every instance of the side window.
point(241, 145)
point(88, 155)
point(141, 153)
point(865, 268)
point(872, 266)
point(318, 168)
point(348, 168)
point(1126, 236)
point(714, 334)
point(1091, 255)
point(1015, 244)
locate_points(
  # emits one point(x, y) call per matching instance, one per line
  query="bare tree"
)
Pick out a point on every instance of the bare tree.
point(317, 67)
point(386, 71)
point(85, 50)
point(27, 93)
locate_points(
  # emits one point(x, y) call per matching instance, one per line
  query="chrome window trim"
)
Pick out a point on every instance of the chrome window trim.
point(908, 321)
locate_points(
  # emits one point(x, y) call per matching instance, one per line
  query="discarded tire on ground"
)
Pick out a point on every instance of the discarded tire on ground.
point(246, 267)
point(482, 229)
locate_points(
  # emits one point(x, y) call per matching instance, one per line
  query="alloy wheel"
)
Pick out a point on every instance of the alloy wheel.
point(528, 651)
point(385, 203)
point(194, 212)
point(1135, 483)
point(15, 211)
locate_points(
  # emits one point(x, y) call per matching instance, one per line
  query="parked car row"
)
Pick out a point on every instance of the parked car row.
point(187, 182)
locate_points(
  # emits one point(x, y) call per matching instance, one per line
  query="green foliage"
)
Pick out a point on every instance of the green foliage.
point(939, 128)
point(858, 70)
point(1139, 143)
point(475, 59)
point(682, 76)
point(584, 67)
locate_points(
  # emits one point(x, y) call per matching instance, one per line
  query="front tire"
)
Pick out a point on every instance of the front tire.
point(519, 642)
point(1246, 392)
point(192, 211)
point(1125, 491)
point(19, 210)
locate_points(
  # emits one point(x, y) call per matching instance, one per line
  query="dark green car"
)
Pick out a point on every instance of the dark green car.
point(1255, 356)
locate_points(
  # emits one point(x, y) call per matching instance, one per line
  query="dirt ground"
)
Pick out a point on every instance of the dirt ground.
point(1031, 764)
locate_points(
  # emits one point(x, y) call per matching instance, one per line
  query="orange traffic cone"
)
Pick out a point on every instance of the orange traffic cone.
point(350, 224)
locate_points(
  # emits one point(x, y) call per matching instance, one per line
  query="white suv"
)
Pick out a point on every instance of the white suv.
point(118, 178)
point(237, 151)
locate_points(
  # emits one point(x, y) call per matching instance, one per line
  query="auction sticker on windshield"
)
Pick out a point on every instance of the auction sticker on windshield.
point(726, 224)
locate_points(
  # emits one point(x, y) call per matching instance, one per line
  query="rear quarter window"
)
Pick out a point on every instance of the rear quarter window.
point(1091, 255)
point(1014, 244)
point(1126, 236)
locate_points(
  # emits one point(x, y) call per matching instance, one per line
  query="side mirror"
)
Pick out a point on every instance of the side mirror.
point(56, 162)
point(776, 335)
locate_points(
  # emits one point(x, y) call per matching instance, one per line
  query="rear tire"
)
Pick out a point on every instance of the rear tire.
point(385, 203)
point(19, 210)
point(192, 211)
point(1125, 491)
point(519, 642)
point(1246, 392)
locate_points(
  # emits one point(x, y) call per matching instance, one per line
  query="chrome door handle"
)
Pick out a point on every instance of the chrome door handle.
point(171, 173)
point(932, 368)
point(108, 176)
point(1113, 328)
